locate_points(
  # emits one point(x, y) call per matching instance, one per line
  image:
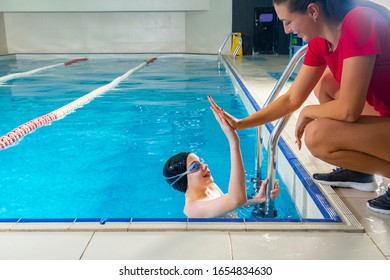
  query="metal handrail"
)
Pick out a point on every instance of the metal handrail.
point(271, 171)
point(274, 137)
point(237, 47)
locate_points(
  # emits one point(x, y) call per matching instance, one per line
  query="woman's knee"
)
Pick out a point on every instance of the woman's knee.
point(316, 137)
point(311, 134)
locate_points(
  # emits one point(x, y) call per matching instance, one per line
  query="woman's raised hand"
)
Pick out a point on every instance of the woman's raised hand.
point(232, 121)
point(229, 131)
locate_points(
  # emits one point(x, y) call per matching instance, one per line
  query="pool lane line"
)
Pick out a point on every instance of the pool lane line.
point(28, 73)
point(28, 127)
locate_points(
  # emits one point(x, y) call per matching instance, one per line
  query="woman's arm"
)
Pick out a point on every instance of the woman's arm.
point(307, 78)
point(356, 78)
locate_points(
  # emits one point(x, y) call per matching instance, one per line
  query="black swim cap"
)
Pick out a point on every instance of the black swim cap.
point(176, 165)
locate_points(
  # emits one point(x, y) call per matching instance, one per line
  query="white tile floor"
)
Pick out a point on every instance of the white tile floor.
point(89, 242)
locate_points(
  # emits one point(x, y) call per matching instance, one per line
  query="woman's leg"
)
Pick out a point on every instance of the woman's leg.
point(339, 144)
point(362, 146)
point(327, 88)
point(368, 110)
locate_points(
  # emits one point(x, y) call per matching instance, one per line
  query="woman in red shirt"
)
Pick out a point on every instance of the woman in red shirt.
point(348, 67)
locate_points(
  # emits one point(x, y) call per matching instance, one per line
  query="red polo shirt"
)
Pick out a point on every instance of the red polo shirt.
point(364, 31)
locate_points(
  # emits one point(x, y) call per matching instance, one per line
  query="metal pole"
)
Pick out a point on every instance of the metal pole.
point(224, 42)
point(269, 211)
point(271, 171)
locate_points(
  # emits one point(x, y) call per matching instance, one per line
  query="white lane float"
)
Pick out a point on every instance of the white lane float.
point(22, 130)
point(28, 73)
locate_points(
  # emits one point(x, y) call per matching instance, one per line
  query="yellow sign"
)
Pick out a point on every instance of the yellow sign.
point(235, 42)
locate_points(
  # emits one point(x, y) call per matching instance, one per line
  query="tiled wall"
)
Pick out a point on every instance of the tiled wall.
point(102, 5)
point(177, 26)
point(205, 31)
point(95, 32)
point(3, 40)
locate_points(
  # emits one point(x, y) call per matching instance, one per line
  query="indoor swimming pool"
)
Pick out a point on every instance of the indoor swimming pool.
point(103, 160)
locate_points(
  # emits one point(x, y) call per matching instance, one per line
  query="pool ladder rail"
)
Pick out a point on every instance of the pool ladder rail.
point(238, 35)
point(275, 135)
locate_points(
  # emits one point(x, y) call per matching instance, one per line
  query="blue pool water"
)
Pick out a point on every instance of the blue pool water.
point(105, 159)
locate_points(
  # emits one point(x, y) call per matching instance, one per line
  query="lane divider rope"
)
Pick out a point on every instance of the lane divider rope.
point(28, 127)
point(28, 73)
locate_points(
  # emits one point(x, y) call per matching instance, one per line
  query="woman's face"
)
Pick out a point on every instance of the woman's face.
point(200, 177)
point(301, 24)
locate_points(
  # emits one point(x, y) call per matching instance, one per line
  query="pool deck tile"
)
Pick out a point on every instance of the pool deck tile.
point(159, 245)
point(41, 227)
point(220, 226)
point(157, 226)
point(7, 226)
point(303, 246)
point(96, 226)
point(43, 245)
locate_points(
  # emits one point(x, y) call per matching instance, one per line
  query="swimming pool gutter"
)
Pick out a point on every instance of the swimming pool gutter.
point(140, 225)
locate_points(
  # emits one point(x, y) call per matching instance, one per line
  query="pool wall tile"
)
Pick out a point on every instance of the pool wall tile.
point(44, 220)
point(9, 220)
point(118, 220)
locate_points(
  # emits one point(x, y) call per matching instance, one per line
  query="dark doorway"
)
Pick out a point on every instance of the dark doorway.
point(244, 16)
point(265, 31)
